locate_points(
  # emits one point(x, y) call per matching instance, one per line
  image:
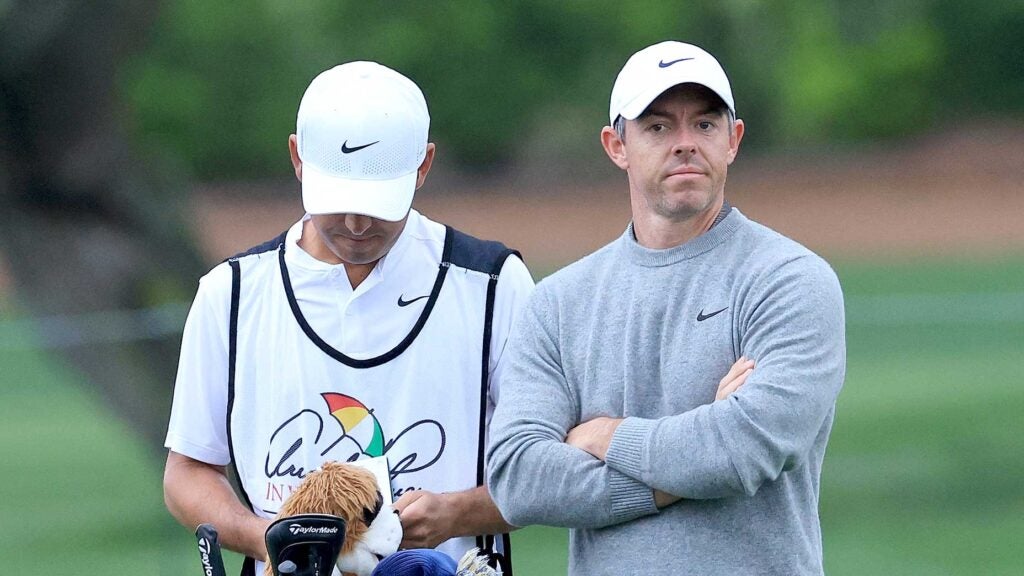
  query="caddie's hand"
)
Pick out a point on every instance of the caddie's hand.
point(426, 519)
point(736, 377)
point(594, 436)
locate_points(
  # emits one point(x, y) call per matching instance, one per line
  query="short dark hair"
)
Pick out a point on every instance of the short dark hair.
point(620, 127)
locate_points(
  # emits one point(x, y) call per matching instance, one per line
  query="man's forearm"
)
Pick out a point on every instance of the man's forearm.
point(594, 436)
point(198, 493)
point(533, 476)
point(477, 513)
point(430, 518)
point(555, 484)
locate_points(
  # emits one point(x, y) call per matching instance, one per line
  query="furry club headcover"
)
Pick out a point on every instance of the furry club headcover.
point(373, 528)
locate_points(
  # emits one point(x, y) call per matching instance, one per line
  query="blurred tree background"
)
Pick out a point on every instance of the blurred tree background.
point(219, 84)
point(90, 228)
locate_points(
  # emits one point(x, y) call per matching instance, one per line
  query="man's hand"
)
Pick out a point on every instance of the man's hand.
point(594, 436)
point(427, 519)
point(736, 377)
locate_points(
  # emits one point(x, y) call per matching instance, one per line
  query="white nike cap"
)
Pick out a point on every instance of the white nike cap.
point(657, 68)
point(362, 134)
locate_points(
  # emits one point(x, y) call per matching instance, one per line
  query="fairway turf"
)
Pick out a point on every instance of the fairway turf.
point(922, 476)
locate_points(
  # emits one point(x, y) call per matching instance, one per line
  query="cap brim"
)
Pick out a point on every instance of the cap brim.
point(636, 107)
point(383, 199)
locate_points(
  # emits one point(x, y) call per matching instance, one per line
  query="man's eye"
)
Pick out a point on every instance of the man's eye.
point(705, 125)
point(657, 127)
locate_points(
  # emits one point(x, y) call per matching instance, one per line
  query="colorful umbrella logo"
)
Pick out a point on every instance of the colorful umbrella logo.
point(357, 422)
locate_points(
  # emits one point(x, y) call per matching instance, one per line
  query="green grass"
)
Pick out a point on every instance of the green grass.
point(924, 467)
point(80, 494)
point(923, 473)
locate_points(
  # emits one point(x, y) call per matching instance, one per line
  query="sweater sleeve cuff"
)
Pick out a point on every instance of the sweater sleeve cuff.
point(631, 498)
point(628, 448)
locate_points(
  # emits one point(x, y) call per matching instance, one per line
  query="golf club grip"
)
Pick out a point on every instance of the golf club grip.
point(209, 550)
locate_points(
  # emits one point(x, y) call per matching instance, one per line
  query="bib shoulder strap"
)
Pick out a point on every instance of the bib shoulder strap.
point(471, 253)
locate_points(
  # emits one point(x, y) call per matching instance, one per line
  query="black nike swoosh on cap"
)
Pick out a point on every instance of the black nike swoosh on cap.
point(404, 303)
point(346, 150)
point(663, 64)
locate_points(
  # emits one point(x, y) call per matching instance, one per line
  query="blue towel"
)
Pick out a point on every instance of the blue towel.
point(416, 562)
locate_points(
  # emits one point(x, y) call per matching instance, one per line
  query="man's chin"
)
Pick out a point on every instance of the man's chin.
point(687, 200)
point(360, 260)
point(358, 255)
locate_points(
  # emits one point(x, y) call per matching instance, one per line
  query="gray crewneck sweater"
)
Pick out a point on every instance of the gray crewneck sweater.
point(646, 335)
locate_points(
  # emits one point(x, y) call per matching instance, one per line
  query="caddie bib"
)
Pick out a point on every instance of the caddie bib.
point(295, 402)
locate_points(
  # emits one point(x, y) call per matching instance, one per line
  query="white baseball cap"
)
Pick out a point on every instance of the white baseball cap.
point(362, 134)
point(657, 68)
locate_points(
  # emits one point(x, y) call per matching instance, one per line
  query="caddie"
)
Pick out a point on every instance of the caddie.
point(364, 330)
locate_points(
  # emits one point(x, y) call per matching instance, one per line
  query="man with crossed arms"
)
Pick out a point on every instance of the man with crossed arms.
point(615, 421)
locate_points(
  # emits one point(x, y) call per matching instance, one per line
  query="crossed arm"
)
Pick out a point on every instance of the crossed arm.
point(594, 436)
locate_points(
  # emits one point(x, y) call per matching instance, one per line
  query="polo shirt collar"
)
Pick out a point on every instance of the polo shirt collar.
point(296, 256)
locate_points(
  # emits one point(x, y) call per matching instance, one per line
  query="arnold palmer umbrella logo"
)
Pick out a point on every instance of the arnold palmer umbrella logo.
point(355, 418)
point(348, 430)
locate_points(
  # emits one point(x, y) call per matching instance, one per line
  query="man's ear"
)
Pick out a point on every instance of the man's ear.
point(614, 147)
point(428, 160)
point(734, 139)
point(293, 150)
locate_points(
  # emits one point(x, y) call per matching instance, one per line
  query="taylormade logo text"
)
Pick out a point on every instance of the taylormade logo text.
point(300, 529)
point(204, 555)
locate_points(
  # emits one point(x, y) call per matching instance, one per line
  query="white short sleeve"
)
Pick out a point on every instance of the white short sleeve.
point(198, 423)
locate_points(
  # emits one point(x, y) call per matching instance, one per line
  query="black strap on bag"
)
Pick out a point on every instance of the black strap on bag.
point(249, 564)
point(487, 257)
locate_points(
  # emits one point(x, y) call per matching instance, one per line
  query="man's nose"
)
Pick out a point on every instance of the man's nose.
point(685, 145)
point(358, 224)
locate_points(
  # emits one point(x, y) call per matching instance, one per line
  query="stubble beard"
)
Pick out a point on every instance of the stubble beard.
point(682, 204)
